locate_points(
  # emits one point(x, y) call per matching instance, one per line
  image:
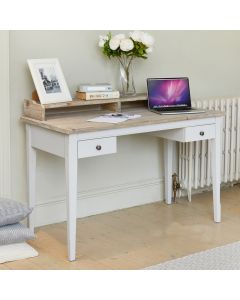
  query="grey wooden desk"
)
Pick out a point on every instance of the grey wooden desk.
point(72, 137)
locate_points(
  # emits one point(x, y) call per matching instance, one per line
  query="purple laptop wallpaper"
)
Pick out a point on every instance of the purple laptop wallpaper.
point(167, 93)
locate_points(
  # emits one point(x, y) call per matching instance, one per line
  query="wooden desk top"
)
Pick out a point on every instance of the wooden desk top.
point(77, 122)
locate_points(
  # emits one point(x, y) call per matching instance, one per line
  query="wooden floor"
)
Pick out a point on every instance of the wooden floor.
point(138, 237)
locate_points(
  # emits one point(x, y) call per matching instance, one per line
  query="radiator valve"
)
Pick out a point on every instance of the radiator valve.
point(175, 186)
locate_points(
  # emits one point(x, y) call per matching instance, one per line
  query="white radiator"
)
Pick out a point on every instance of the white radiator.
point(194, 157)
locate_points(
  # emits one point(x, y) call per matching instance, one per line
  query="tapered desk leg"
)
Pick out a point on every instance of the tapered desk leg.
point(189, 192)
point(168, 157)
point(31, 176)
point(216, 171)
point(71, 161)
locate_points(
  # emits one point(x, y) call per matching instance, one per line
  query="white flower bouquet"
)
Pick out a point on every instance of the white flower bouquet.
point(125, 49)
point(137, 44)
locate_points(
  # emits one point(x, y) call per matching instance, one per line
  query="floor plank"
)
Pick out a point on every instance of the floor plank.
point(138, 237)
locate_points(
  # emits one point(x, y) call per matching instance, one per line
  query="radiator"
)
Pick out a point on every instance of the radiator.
point(194, 157)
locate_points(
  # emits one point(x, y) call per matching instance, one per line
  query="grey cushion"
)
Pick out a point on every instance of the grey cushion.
point(15, 233)
point(12, 211)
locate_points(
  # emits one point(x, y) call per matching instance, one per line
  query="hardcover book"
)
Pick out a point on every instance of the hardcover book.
point(98, 87)
point(97, 95)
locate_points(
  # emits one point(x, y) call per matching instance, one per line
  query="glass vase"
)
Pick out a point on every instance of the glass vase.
point(127, 87)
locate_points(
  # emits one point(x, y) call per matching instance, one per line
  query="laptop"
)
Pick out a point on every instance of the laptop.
point(170, 96)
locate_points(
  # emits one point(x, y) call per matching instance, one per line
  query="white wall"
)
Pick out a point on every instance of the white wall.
point(135, 174)
point(5, 156)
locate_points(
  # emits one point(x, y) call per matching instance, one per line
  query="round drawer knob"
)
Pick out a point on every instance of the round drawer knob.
point(98, 147)
point(201, 133)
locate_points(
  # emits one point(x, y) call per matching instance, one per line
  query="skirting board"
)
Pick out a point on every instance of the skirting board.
point(102, 200)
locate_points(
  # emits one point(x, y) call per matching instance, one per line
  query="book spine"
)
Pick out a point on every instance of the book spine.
point(98, 95)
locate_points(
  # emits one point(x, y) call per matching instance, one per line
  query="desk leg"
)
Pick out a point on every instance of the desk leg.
point(168, 157)
point(189, 192)
point(71, 163)
point(31, 176)
point(216, 171)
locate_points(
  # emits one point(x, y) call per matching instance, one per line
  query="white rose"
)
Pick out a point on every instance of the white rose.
point(126, 45)
point(103, 37)
point(149, 50)
point(102, 40)
point(120, 36)
point(147, 39)
point(136, 35)
point(101, 43)
point(114, 43)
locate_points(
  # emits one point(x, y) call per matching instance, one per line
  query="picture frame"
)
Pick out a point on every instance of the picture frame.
point(49, 80)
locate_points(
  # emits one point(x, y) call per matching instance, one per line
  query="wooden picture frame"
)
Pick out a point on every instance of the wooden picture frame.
point(49, 80)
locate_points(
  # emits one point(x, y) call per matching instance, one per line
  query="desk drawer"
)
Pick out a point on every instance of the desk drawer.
point(97, 147)
point(189, 134)
point(198, 133)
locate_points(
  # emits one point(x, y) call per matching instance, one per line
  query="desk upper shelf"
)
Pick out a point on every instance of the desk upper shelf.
point(35, 110)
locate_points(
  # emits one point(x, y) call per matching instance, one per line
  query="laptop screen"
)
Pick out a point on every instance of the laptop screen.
point(168, 93)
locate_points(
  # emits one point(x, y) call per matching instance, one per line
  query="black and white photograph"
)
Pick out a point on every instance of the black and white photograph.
point(49, 80)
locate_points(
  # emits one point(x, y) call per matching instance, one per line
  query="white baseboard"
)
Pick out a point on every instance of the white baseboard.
point(97, 201)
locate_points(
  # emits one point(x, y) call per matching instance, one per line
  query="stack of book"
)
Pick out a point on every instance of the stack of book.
point(101, 91)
